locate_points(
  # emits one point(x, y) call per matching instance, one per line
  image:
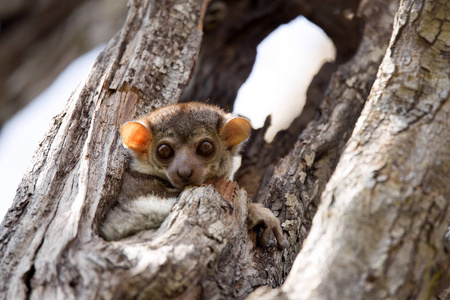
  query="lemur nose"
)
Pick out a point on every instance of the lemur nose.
point(185, 172)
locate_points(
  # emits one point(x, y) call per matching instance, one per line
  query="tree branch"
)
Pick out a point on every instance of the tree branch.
point(294, 187)
point(233, 29)
point(77, 171)
point(379, 230)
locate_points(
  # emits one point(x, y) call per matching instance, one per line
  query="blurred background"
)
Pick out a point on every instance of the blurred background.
point(40, 66)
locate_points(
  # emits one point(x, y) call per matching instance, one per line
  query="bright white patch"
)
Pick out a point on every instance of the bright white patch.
point(237, 159)
point(21, 135)
point(145, 257)
point(286, 62)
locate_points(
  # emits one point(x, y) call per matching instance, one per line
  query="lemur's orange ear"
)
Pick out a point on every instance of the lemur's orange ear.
point(136, 136)
point(235, 131)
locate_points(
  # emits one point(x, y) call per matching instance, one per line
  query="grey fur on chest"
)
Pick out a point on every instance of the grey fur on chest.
point(144, 203)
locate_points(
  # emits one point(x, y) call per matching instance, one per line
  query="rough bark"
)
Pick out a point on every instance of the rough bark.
point(49, 243)
point(293, 187)
point(260, 157)
point(379, 232)
point(40, 38)
point(50, 247)
point(234, 28)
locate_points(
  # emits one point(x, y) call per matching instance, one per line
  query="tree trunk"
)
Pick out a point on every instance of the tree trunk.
point(233, 29)
point(292, 188)
point(379, 230)
point(50, 248)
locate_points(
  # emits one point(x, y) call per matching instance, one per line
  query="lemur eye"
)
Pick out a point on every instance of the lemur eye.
point(165, 151)
point(205, 148)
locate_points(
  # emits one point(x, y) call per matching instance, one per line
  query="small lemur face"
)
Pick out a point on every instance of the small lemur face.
point(189, 162)
point(186, 144)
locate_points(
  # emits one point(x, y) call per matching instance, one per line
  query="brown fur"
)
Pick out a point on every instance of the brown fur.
point(152, 184)
point(183, 127)
point(259, 215)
